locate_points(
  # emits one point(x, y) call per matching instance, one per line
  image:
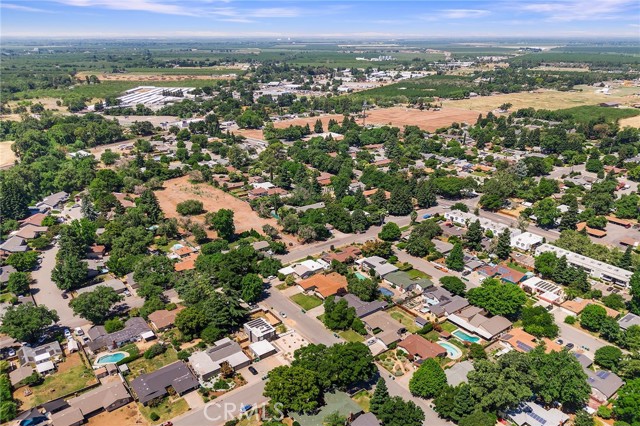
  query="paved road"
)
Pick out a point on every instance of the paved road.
point(45, 292)
point(578, 337)
point(307, 326)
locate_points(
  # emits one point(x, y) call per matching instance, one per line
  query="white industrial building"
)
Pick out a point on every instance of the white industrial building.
point(595, 268)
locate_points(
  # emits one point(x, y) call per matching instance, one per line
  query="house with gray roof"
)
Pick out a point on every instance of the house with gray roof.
point(5, 271)
point(117, 285)
point(134, 329)
point(363, 308)
point(474, 319)
point(604, 384)
point(40, 354)
point(405, 283)
point(107, 397)
point(207, 364)
point(441, 302)
point(584, 360)
point(366, 419)
point(380, 266)
point(531, 414)
point(457, 374)
point(54, 201)
point(628, 320)
point(14, 245)
point(148, 387)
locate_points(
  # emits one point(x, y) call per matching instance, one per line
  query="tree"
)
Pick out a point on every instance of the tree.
point(498, 298)
point(400, 203)
point(335, 419)
point(455, 259)
point(476, 351)
point(561, 378)
point(546, 212)
point(109, 157)
point(359, 221)
point(14, 202)
point(503, 249)
point(366, 289)
point(380, 396)
point(610, 330)
point(583, 418)
point(296, 388)
point(479, 418)
point(569, 219)
point(27, 322)
point(338, 316)
point(608, 357)
point(149, 204)
point(252, 286)
point(190, 207)
point(69, 273)
point(95, 306)
point(627, 406)
point(113, 324)
point(539, 322)
point(428, 380)
point(222, 222)
point(625, 260)
point(473, 237)
point(23, 261)
point(592, 316)
point(614, 301)
point(634, 291)
point(545, 264)
point(19, 283)
point(379, 248)
point(397, 412)
point(454, 285)
point(390, 232)
point(87, 210)
point(190, 321)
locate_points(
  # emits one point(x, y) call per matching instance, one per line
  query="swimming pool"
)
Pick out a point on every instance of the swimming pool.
point(452, 351)
point(466, 337)
point(111, 358)
point(386, 292)
point(360, 276)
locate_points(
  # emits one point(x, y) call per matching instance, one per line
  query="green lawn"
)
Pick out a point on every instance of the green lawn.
point(363, 399)
point(405, 319)
point(447, 326)
point(59, 384)
point(166, 410)
point(143, 365)
point(5, 297)
point(517, 267)
point(416, 274)
point(307, 302)
point(351, 336)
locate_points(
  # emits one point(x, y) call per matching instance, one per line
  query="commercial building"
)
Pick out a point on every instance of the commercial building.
point(595, 268)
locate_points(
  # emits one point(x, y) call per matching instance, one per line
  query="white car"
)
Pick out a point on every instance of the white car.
point(67, 333)
point(79, 331)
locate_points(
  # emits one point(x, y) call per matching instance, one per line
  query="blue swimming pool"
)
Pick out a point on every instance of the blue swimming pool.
point(466, 337)
point(360, 276)
point(111, 358)
point(452, 351)
point(386, 292)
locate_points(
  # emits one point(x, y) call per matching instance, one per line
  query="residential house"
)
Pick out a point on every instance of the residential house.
point(545, 290)
point(41, 354)
point(584, 360)
point(405, 283)
point(418, 348)
point(34, 219)
point(595, 268)
point(117, 285)
point(135, 329)
point(107, 397)
point(19, 374)
point(379, 265)
point(604, 385)
point(150, 386)
point(577, 305)
point(262, 349)
point(5, 271)
point(531, 414)
point(526, 241)
point(474, 320)
point(324, 285)
point(163, 319)
point(521, 341)
point(501, 272)
point(259, 329)
point(186, 263)
point(386, 329)
point(13, 245)
point(345, 255)
point(457, 374)
point(441, 303)
point(207, 364)
point(361, 307)
point(53, 201)
point(628, 320)
point(442, 247)
point(365, 419)
point(305, 269)
point(29, 232)
point(260, 245)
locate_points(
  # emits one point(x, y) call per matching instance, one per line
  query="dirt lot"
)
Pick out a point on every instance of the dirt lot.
point(143, 77)
point(7, 156)
point(543, 99)
point(631, 121)
point(127, 415)
point(180, 189)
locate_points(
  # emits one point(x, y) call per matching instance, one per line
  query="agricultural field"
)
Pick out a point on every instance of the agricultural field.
point(597, 60)
point(583, 114)
point(429, 87)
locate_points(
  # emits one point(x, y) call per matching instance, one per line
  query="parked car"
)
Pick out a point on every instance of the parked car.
point(271, 277)
point(11, 352)
point(246, 408)
point(65, 295)
point(283, 315)
point(127, 293)
point(569, 346)
point(426, 216)
point(67, 333)
point(79, 331)
point(560, 341)
point(253, 371)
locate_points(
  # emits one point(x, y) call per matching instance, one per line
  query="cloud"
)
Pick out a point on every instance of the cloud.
point(134, 5)
point(580, 10)
point(464, 13)
point(22, 8)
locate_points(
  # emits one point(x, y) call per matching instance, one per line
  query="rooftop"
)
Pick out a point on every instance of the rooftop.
point(153, 385)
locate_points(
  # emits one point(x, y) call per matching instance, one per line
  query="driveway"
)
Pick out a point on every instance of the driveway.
point(45, 292)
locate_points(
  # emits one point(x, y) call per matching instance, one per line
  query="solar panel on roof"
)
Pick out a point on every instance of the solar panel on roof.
point(603, 374)
point(538, 418)
point(524, 346)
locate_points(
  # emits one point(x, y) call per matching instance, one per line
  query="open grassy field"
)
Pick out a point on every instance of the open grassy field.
point(444, 86)
point(168, 409)
point(541, 99)
point(586, 113)
point(351, 336)
point(143, 365)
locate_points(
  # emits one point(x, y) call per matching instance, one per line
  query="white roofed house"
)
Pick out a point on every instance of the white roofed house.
point(207, 364)
point(305, 269)
point(545, 290)
point(378, 264)
point(526, 241)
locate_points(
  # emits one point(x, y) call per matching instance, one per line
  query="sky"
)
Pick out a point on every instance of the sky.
point(330, 18)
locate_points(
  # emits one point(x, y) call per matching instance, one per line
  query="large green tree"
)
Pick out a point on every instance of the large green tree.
point(296, 388)
point(27, 322)
point(474, 235)
point(69, 273)
point(428, 380)
point(455, 259)
point(380, 396)
point(222, 222)
point(498, 298)
point(626, 407)
point(592, 317)
point(503, 249)
point(14, 201)
point(397, 412)
point(96, 305)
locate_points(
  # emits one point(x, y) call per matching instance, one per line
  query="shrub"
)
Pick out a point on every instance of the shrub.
point(154, 351)
point(183, 355)
point(190, 207)
point(154, 416)
point(171, 306)
point(112, 325)
point(604, 412)
point(570, 319)
point(220, 385)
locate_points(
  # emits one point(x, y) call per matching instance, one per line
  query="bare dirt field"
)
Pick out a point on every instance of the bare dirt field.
point(7, 156)
point(180, 189)
point(542, 99)
point(127, 415)
point(631, 121)
point(142, 77)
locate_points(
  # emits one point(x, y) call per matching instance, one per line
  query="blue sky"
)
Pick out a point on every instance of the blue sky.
point(332, 18)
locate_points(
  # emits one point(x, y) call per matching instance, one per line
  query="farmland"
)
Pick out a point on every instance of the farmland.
point(428, 87)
